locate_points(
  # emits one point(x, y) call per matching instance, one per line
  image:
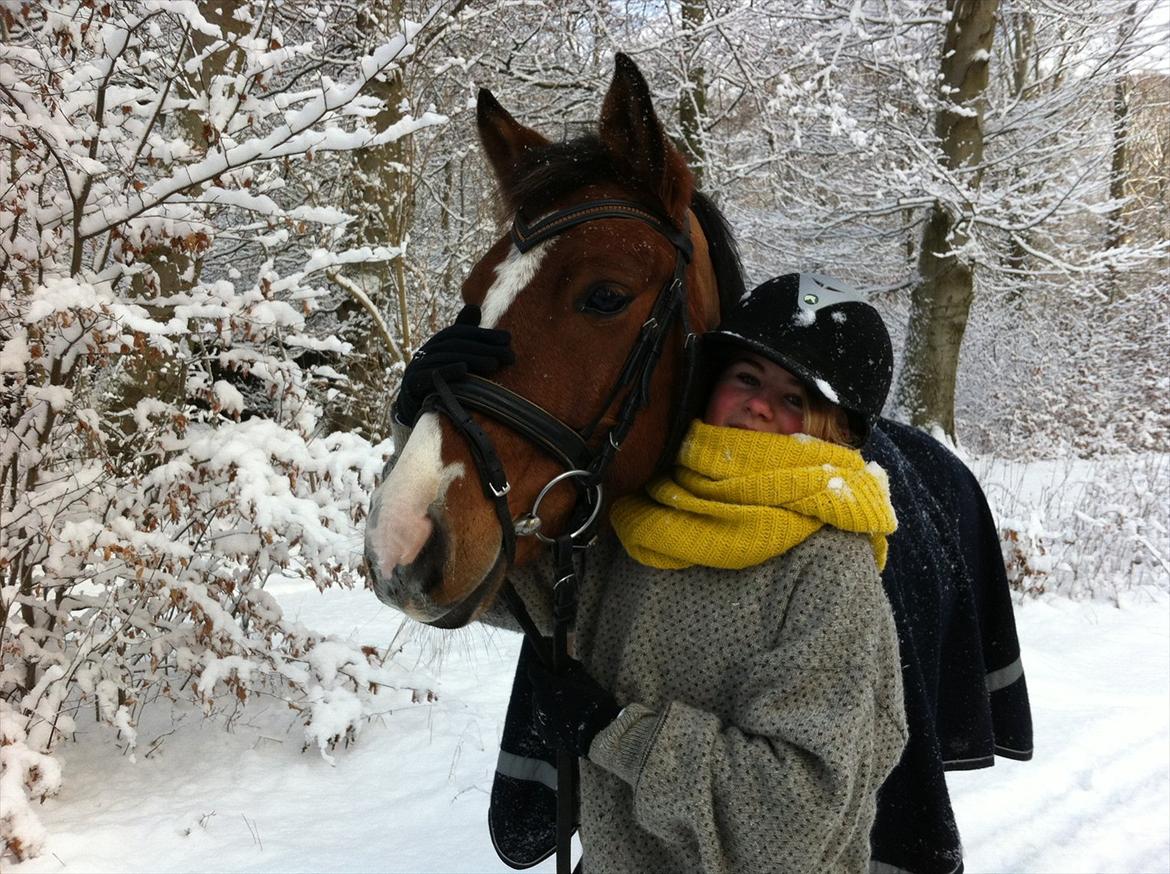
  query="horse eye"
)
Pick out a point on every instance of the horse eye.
point(605, 300)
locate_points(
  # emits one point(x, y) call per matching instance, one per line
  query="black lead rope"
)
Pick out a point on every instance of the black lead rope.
point(564, 612)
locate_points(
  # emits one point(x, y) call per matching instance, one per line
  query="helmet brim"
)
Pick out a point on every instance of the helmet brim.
point(726, 343)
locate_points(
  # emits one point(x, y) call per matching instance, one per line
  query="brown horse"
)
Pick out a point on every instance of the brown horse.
point(575, 305)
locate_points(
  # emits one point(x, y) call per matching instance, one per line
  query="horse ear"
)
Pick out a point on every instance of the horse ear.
point(504, 139)
point(631, 133)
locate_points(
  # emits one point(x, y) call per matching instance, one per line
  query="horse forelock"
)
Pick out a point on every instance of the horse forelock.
point(554, 171)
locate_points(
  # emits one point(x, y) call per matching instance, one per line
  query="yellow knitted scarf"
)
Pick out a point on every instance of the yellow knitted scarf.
point(738, 498)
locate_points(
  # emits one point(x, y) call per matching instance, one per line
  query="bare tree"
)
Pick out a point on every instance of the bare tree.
point(941, 301)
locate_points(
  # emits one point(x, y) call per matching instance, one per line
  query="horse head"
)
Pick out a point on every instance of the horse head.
point(575, 303)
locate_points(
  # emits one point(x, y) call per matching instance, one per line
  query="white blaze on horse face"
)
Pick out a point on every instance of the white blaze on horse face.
point(400, 524)
point(512, 276)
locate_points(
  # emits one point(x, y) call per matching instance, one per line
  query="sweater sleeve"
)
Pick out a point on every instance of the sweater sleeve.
point(787, 782)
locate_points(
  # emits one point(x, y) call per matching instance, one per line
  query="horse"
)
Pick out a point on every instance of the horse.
point(613, 264)
point(575, 305)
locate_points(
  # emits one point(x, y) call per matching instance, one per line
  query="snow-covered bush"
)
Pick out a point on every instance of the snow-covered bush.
point(1085, 528)
point(160, 451)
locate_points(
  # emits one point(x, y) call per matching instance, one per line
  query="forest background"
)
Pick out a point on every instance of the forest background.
point(224, 227)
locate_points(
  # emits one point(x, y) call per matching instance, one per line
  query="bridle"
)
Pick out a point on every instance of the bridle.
point(584, 466)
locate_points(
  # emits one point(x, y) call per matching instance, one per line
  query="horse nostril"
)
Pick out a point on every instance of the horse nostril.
point(401, 580)
point(427, 567)
point(385, 592)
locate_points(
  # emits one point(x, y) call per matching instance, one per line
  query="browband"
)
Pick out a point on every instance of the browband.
point(526, 235)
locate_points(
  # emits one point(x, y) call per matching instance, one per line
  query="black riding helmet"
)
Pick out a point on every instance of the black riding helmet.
point(822, 331)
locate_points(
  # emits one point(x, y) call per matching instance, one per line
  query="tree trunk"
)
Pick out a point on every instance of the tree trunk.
point(148, 373)
point(1119, 158)
point(692, 103)
point(942, 299)
point(1022, 37)
point(381, 197)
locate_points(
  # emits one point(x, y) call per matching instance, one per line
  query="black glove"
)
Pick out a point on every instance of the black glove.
point(570, 708)
point(454, 352)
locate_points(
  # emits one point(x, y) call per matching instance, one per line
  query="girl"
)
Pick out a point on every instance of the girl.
point(738, 701)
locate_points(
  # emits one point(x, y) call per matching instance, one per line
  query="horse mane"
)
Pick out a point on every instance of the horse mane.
point(552, 171)
point(723, 250)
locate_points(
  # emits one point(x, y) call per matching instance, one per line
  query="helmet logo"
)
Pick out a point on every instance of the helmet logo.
point(811, 299)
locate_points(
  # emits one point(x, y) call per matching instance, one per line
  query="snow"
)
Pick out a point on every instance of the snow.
point(411, 794)
point(59, 294)
point(227, 397)
point(826, 390)
point(1097, 797)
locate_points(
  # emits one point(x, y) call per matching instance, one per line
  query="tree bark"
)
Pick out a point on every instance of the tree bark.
point(381, 197)
point(1022, 37)
point(692, 103)
point(1119, 157)
point(941, 301)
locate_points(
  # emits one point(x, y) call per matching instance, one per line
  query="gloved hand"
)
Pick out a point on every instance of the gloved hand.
point(570, 708)
point(453, 352)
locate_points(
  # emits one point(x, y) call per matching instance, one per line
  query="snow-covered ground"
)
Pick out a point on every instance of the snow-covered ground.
point(411, 795)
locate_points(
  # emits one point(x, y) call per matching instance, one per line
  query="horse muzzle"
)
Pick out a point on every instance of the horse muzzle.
point(414, 562)
point(413, 587)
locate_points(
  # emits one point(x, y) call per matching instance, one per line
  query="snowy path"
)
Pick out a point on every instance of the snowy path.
point(1097, 796)
point(411, 796)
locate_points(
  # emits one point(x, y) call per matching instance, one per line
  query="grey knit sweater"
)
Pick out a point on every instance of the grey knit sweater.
point(762, 710)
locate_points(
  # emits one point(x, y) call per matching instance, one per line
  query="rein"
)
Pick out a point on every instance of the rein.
point(584, 466)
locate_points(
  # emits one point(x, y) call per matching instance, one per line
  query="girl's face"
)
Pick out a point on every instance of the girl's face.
point(756, 394)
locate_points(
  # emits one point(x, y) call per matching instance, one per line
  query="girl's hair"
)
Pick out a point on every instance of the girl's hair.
point(827, 421)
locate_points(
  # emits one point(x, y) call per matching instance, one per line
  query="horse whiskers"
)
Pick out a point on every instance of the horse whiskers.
point(434, 646)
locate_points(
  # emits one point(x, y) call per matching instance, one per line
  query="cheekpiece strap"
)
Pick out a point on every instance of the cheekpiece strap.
point(487, 463)
point(526, 235)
